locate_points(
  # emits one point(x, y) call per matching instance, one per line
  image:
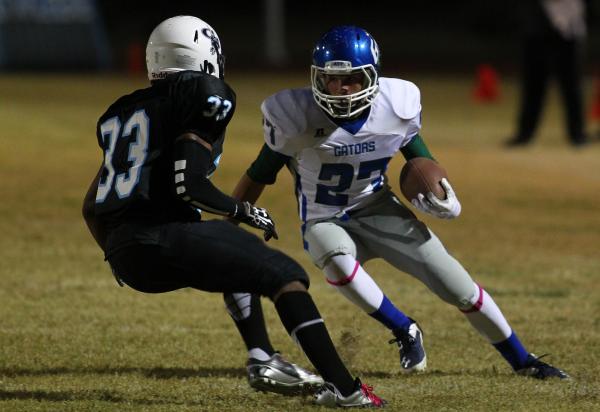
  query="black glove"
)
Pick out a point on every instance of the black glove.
point(256, 217)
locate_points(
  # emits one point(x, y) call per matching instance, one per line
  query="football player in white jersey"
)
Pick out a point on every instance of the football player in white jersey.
point(337, 138)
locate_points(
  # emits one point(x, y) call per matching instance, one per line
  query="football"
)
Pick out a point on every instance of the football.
point(422, 175)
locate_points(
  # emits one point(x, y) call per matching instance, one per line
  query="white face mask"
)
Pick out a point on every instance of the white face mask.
point(344, 105)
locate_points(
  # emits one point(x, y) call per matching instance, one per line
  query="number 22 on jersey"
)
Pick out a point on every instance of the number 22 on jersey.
point(123, 183)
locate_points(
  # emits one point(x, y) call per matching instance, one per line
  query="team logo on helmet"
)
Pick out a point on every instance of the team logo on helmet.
point(184, 43)
point(375, 51)
point(216, 45)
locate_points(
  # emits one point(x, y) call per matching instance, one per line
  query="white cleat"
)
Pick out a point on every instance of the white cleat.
point(362, 397)
point(280, 376)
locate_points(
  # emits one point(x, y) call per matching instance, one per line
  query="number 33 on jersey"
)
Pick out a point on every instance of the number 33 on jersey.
point(138, 128)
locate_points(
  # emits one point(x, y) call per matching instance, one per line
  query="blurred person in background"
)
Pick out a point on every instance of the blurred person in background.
point(553, 34)
point(337, 139)
point(161, 144)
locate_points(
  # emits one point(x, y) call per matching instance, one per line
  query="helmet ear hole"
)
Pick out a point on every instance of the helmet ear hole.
point(183, 43)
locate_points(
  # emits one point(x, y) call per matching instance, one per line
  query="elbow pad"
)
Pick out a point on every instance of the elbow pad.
point(192, 162)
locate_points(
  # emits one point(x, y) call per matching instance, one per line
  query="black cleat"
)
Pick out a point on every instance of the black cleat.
point(412, 352)
point(537, 369)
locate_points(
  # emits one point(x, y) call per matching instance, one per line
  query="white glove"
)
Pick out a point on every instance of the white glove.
point(448, 208)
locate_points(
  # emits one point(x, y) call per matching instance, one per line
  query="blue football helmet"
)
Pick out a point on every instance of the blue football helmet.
point(345, 51)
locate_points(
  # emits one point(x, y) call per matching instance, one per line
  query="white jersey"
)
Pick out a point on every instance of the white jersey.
point(336, 171)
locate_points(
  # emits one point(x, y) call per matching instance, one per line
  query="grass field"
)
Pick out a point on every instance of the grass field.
point(72, 340)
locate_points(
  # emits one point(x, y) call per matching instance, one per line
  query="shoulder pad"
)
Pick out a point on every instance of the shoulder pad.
point(403, 96)
point(287, 115)
point(202, 104)
point(287, 110)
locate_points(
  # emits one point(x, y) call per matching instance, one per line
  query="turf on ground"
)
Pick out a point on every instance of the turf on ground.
point(72, 340)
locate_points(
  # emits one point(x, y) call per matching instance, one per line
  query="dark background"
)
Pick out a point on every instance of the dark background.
point(424, 35)
point(413, 35)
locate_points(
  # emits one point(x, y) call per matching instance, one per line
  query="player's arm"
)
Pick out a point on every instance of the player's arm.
point(192, 162)
point(447, 208)
point(97, 229)
point(247, 189)
point(263, 171)
point(416, 148)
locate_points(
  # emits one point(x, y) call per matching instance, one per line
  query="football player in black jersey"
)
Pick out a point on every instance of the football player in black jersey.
point(160, 146)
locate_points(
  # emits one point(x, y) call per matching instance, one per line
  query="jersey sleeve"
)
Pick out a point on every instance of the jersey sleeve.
point(405, 102)
point(414, 126)
point(191, 165)
point(283, 123)
point(266, 166)
point(202, 104)
point(416, 148)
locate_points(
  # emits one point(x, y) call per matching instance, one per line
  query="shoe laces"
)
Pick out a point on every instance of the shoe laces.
point(537, 358)
point(543, 366)
point(405, 340)
point(367, 390)
point(324, 388)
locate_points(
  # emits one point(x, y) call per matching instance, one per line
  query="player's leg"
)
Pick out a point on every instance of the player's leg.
point(246, 312)
point(138, 267)
point(303, 322)
point(220, 257)
point(451, 282)
point(534, 85)
point(267, 369)
point(333, 250)
point(568, 61)
point(410, 246)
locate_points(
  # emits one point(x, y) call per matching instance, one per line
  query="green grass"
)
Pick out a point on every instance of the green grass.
point(72, 340)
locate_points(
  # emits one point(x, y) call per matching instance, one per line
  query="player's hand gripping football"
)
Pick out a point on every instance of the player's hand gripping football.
point(448, 208)
point(257, 217)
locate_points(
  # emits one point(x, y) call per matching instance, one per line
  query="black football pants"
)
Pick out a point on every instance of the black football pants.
point(213, 256)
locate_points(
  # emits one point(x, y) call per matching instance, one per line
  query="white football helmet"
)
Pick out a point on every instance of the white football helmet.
point(184, 43)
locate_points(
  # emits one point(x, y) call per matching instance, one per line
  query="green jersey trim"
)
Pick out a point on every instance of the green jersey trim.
point(266, 166)
point(416, 148)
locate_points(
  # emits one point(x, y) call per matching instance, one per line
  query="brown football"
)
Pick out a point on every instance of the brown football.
point(422, 175)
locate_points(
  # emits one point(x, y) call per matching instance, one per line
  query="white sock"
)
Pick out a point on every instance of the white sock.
point(258, 354)
point(346, 274)
point(486, 317)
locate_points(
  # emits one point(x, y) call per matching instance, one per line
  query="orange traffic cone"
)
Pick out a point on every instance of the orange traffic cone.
point(595, 107)
point(487, 88)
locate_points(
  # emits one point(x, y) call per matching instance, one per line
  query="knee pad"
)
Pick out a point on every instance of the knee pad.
point(463, 295)
point(326, 239)
point(473, 301)
point(238, 305)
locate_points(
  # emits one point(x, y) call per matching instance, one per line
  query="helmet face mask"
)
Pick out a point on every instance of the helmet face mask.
point(350, 55)
point(184, 43)
point(349, 105)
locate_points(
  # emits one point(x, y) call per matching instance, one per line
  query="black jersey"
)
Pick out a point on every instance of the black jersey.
point(137, 135)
